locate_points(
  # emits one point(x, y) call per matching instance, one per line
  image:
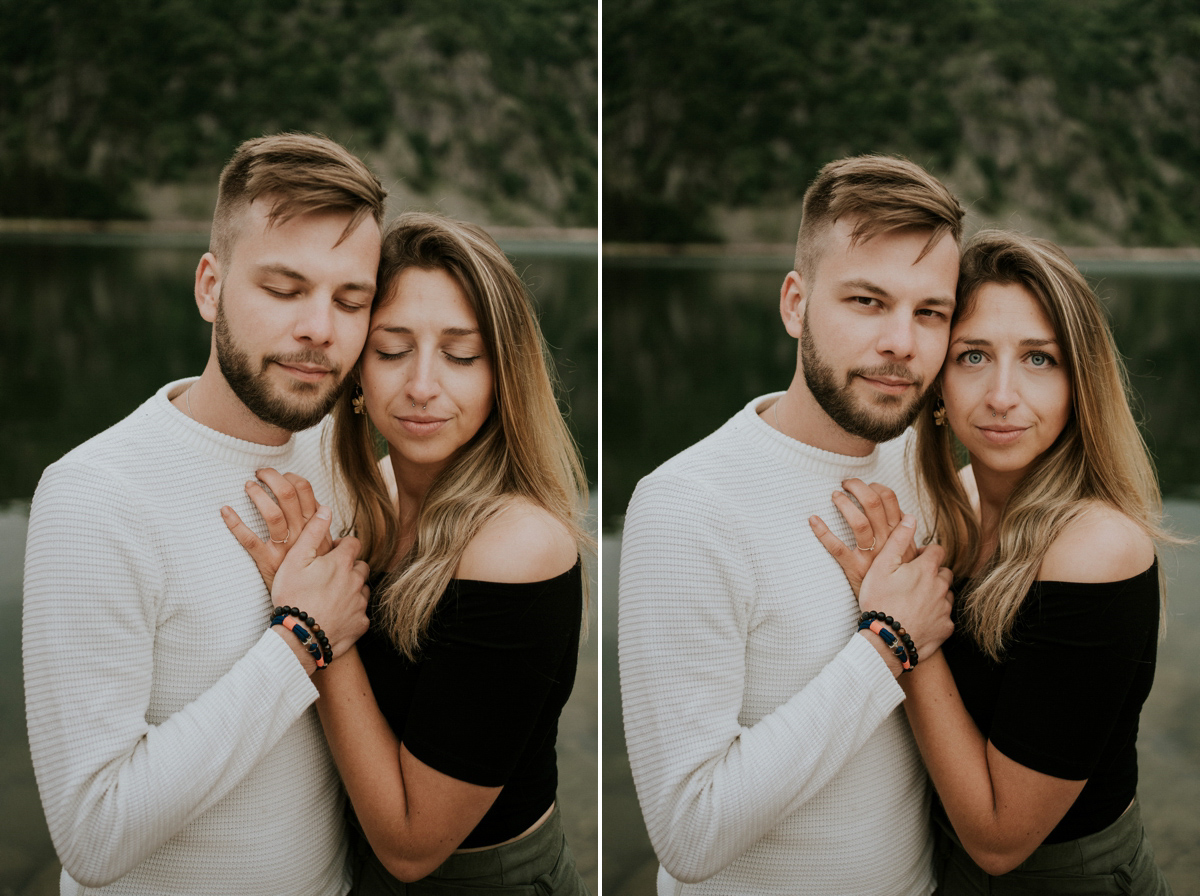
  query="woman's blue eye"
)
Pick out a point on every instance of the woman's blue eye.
point(1040, 359)
point(973, 357)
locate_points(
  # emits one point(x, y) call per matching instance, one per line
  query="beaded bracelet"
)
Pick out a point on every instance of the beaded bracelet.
point(865, 619)
point(322, 639)
point(310, 644)
point(893, 643)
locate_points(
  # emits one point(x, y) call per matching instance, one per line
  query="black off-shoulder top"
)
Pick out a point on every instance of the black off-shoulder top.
point(1066, 698)
point(482, 701)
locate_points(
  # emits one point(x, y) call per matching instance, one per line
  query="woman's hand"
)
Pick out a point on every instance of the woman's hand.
point(286, 515)
point(872, 521)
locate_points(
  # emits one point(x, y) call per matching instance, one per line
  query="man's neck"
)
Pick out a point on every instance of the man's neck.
point(798, 415)
point(211, 402)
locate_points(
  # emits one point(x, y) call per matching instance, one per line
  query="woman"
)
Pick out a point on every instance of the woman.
point(1027, 718)
point(443, 720)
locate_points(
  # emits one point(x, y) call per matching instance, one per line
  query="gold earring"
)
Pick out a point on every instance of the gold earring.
point(939, 413)
point(359, 402)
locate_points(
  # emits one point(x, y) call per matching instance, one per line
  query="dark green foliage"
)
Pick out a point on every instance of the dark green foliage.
point(95, 97)
point(1084, 113)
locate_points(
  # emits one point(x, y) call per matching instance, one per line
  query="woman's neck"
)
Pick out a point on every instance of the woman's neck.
point(411, 488)
point(995, 488)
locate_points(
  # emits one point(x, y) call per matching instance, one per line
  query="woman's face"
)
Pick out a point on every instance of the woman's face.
point(426, 375)
point(1005, 381)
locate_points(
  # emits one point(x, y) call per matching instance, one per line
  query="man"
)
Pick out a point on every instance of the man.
point(763, 734)
point(171, 725)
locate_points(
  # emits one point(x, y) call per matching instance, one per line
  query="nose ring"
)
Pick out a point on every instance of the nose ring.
point(424, 406)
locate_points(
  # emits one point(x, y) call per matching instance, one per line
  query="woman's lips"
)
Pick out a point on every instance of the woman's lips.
point(422, 426)
point(1002, 435)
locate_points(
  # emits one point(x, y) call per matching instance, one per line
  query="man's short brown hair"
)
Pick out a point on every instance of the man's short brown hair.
point(884, 193)
point(302, 173)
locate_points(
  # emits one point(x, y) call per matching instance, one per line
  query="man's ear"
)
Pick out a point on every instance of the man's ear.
point(208, 286)
point(791, 303)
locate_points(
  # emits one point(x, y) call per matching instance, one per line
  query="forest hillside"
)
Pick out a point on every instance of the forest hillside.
point(1078, 119)
point(129, 109)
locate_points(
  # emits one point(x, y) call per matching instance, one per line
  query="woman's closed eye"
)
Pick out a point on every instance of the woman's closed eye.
point(391, 356)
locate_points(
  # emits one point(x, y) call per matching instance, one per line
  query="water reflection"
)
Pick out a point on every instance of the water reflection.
point(687, 345)
point(88, 332)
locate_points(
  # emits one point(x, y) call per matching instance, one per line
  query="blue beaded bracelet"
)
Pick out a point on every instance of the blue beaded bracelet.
point(322, 639)
point(290, 623)
point(877, 626)
point(865, 620)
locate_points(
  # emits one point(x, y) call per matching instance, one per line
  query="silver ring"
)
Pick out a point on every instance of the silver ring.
point(871, 548)
point(285, 538)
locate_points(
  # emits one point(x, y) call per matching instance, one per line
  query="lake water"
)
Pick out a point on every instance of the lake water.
point(688, 341)
point(89, 328)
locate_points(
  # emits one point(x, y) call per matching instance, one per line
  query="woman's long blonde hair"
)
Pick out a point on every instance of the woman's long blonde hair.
point(1099, 456)
point(522, 449)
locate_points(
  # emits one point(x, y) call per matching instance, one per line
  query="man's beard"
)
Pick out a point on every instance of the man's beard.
point(887, 419)
point(305, 406)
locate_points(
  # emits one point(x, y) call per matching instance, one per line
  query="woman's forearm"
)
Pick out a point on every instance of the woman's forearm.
point(954, 751)
point(1000, 809)
point(413, 815)
point(364, 747)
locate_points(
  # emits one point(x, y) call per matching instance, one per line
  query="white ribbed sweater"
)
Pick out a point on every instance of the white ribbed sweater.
point(173, 737)
point(765, 738)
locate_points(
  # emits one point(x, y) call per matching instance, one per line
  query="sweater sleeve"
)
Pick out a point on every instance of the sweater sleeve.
point(709, 786)
point(114, 787)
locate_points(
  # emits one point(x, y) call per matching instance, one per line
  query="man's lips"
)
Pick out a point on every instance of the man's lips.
point(307, 372)
point(889, 384)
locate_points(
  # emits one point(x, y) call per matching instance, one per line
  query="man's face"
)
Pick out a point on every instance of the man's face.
point(292, 311)
point(875, 326)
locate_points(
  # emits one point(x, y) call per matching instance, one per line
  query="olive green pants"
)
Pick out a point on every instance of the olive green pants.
point(1116, 861)
point(539, 864)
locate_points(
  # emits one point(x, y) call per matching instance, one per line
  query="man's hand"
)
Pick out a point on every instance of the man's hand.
point(329, 587)
point(915, 593)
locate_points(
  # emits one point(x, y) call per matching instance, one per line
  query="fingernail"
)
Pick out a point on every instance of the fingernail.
point(250, 482)
point(323, 513)
point(224, 511)
point(908, 520)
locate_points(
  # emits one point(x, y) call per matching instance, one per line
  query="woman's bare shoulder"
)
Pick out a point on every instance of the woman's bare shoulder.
point(522, 542)
point(1101, 544)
